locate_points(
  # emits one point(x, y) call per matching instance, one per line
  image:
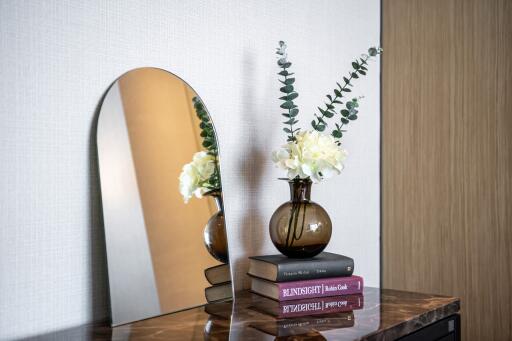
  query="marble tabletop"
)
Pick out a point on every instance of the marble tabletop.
point(379, 315)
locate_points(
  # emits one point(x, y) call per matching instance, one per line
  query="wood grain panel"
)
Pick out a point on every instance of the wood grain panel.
point(447, 155)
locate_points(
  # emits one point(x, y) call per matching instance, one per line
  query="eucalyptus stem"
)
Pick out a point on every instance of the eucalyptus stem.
point(289, 92)
point(320, 124)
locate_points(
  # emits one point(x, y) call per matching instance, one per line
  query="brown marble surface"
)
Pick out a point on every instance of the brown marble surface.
point(385, 315)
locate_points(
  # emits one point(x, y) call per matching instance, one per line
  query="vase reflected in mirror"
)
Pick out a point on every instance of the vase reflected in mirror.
point(215, 238)
point(300, 228)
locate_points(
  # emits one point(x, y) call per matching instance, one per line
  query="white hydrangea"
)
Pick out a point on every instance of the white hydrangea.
point(313, 155)
point(195, 175)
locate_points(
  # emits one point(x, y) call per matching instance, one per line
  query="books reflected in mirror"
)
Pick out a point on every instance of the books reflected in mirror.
point(221, 309)
point(308, 307)
point(219, 292)
point(218, 274)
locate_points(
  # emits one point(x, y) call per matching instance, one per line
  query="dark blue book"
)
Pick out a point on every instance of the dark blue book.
point(279, 268)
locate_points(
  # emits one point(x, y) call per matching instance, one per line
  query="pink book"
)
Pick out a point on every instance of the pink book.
point(298, 290)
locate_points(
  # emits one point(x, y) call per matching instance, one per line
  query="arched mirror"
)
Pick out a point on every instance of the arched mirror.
point(162, 197)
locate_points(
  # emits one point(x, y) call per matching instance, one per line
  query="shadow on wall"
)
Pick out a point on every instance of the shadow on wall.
point(251, 167)
point(99, 295)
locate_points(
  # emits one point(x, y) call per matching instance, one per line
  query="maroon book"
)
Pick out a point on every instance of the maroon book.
point(307, 307)
point(298, 290)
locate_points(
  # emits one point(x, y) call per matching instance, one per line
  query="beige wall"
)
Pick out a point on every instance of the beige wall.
point(447, 156)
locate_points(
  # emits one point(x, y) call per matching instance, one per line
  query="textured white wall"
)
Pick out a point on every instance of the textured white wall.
point(58, 58)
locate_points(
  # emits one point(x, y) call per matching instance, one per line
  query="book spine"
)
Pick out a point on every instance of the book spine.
point(314, 270)
point(320, 288)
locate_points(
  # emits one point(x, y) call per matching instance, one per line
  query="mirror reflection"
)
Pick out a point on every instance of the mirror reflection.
point(162, 197)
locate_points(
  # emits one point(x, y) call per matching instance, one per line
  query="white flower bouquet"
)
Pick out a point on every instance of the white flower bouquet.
point(311, 155)
point(195, 176)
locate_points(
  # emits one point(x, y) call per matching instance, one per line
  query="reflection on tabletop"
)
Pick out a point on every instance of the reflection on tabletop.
point(377, 315)
point(254, 317)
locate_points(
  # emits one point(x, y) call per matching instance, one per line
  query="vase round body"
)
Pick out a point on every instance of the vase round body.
point(300, 228)
point(215, 238)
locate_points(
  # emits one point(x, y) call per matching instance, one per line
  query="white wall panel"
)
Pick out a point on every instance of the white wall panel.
point(58, 58)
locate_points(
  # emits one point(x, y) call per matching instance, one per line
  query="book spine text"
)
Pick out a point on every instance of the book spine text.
point(320, 288)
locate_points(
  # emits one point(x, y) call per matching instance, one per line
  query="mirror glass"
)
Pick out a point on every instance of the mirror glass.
point(162, 197)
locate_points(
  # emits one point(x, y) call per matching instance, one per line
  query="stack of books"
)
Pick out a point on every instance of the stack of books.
point(318, 293)
point(283, 279)
point(220, 279)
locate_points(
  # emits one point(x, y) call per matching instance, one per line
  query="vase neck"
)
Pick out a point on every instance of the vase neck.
point(217, 196)
point(218, 202)
point(300, 190)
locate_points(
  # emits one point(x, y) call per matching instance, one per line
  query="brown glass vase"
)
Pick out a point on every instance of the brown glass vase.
point(300, 228)
point(215, 238)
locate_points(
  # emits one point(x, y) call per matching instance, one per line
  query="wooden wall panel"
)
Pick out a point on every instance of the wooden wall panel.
point(447, 155)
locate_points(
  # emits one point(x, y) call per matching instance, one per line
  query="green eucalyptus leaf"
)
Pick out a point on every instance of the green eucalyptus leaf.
point(344, 120)
point(292, 96)
point(352, 117)
point(328, 114)
point(362, 72)
point(346, 80)
point(320, 127)
point(347, 90)
point(289, 81)
point(286, 65)
point(329, 97)
point(354, 75)
point(287, 89)
point(349, 105)
point(284, 73)
point(337, 134)
point(287, 105)
point(286, 130)
point(337, 102)
point(329, 106)
point(337, 93)
point(344, 112)
point(286, 115)
point(294, 112)
point(355, 65)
